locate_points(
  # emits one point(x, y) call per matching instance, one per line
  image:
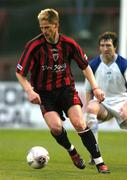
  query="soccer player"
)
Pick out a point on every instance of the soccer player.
point(47, 58)
point(110, 71)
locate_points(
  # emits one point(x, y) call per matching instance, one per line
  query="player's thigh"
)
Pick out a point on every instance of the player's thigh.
point(69, 98)
point(53, 121)
point(76, 117)
point(93, 107)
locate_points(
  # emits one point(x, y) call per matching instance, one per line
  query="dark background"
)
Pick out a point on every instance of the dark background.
point(82, 20)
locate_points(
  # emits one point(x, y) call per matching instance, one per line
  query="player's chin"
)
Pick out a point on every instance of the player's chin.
point(46, 36)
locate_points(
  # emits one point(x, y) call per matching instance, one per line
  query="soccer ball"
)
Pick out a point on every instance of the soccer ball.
point(37, 157)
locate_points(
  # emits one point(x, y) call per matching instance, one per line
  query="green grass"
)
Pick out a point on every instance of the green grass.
point(14, 145)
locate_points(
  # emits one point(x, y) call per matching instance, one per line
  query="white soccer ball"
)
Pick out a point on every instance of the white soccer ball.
point(37, 157)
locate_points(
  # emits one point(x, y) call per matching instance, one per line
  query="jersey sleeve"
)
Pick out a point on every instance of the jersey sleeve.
point(26, 61)
point(80, 57)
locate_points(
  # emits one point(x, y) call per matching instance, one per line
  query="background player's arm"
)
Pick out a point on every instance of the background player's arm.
point(32, 95)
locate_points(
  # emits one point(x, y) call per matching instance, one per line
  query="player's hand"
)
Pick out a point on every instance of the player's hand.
point(99, 94)
point(34, 97)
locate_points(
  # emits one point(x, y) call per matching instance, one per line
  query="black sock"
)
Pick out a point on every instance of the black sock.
point(62, 139)
point(90, 143)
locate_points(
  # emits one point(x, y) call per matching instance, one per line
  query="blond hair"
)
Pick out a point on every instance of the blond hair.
point(50, 15)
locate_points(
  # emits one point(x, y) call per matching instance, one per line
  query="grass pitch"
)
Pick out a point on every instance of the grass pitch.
point(14, 145)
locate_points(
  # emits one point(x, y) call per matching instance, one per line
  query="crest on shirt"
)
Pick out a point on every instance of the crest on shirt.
point(55, 54)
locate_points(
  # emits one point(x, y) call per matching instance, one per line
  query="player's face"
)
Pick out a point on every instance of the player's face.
point(107, 49)
point(49, 30)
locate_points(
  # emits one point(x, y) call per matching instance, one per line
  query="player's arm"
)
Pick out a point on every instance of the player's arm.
point(99, 94)
point(32, 95)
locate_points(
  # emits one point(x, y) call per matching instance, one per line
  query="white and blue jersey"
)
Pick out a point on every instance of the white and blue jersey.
point(112, 79)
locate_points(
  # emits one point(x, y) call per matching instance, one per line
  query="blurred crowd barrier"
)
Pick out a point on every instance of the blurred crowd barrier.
point(82, 20)
point(17, 112)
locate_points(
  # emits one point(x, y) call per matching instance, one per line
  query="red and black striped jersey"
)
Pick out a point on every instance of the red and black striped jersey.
point(49, 64)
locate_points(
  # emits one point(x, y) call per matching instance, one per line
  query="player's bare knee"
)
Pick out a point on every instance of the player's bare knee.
point(92, 108)
point(78, 122)
point(79, 125)
point(56, 130)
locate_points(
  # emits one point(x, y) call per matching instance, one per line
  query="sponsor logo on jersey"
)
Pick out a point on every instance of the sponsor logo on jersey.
point(55, 68)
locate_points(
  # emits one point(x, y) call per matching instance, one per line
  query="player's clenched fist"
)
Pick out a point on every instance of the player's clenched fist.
point(34, 97)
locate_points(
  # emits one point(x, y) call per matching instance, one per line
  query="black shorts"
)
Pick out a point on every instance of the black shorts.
point(59, 100)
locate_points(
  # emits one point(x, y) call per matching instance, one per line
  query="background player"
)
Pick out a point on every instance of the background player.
point(110, 71)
